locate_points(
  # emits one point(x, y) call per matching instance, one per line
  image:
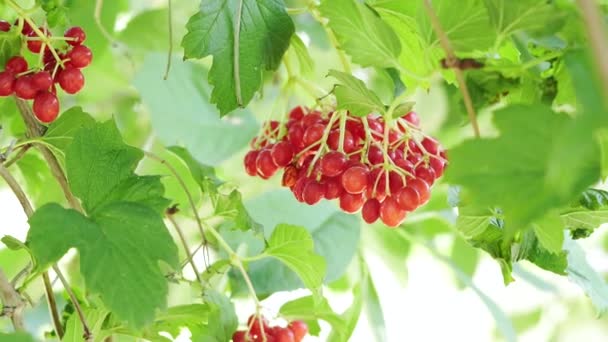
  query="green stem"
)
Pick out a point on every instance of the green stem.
point(332, 37)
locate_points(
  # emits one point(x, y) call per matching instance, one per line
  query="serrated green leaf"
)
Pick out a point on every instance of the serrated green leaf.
point(100, 169)
point(61, 132)
point(354, 96)
point(361, 33)
point(309, 310)
point(222, 318)
point(294, 247)
point(191, 316)
point(582, 274)
point(297, 47)
point(550, 233)
point(16, 337)
point(95, 319)
point(117, 233)
point(472, 220)
point(588, 214)
point(244, 37)
point(10, 44)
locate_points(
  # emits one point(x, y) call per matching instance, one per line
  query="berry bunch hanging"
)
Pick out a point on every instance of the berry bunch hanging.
point(366, 165)
point(293, 332)
point(59, 64)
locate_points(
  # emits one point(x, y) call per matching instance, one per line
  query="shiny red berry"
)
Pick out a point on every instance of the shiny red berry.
point(7, 83)
point(284, 335)
point(42, 80)
point(24, 88)
point(351, 203)
point(423, 189)
point(313, 192)
point(313, 134)
point(282, 153)
point(80, 56)
point(71, 80)
point(16, 65)
point(265, 165)
point(333, 164)
point(5, 26)
point(299, 329)
point(239, 336)
point(78, 35)
point(371, 210)
point(290, 176)
point(46, 106)
point(355, 179)
point(408, 198)
point(35, 46)
point(390, 212)
point(249, 161)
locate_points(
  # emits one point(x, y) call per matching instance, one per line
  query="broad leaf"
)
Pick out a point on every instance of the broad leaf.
point(222, 317)
point(120, 249)
point(581, 273)
point(10, 44)
point(293, 246)
point(550, 233)
point(361, 33)
point(16, 337)
point(309, 310)
point(299, 49)
point(192, 316)
point(589, 213)
point(244, 37)
point(95, 319)
point(354, 96)
point(62, 131)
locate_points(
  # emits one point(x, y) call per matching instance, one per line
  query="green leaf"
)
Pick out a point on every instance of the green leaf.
point(13, 243)
point(350, 316)
point(512, 171)
point(589, 213)
point(120, 249)
point(297, 47)
point(294, 247)
point(353, 95)
point(309, 310)
point(10, 44)
point(472, 220)
point(465, 257)
point(582, 274)
point(191, 316)
point(550, 233)
point(62, 131)
point(100, 169)
point(222, 318)
point(16, 337)
point(95, 319)
point(181, 104)
point(361, 33)
point(244, 37)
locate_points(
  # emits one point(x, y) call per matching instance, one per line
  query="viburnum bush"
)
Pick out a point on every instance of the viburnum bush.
point(230, 169)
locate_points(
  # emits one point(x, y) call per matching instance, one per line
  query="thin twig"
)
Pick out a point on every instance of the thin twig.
point(22, 150)
point(182, 237)
point(97, 17)
point(53, 309)
point(12, 303)
point(451, 60)
point(596, 30)
point(88, 335)
point(170, 53)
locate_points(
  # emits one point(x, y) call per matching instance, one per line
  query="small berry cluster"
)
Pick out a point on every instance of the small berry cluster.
point(383, 171)
point(57, 67)
point(294, 332)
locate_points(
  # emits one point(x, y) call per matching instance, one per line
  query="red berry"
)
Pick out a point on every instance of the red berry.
point(408, 198)
point(24, 88)
point(282, 153)
point(5, 26)
point(7, 83)
point(250, 160)
point(35, 46)
point(297, 113)
point(77, 33)
point(254, 323)
point(333, 188)
point(265, 164)
point(425, 173)
point(46, 106)
point(26, 27)
point(295, 134)
point(351, 203)
point(71, 80)
point(438, 166)
point(375, 155)
point(355, 179)
point(333, 141)
point(423, 189)
point(371, 210)
point(430, 146)
point(42, 80)
point(390, 212)
point(16, 65)
point(311, 119)
point(239, 336)
point(313, 192)
point(333, 164)
point(290, 176)
point(313, 134)
point(412, 118)
point(298, 188)
point(395, 181)
point(81, 56)
point(355, 127)
point(299, 329)
point(284, 335)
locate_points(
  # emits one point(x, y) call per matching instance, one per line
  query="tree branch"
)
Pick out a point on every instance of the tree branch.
point(452, 61)
point(13, 305)
point(596, 30)
point(182, 238)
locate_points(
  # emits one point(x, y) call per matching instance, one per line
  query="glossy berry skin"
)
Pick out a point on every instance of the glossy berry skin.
point(299, 329)
point(333, 164)
point(16, 65)
point(290, 176)
point(7, 83)
point(355, 179)
point(5, 26)
point(265, 164)
point(284, 335)
point(412, 118)
point(313, 192)
point(80, 56)
point(351, 203)
point(42, 80)
point(282, 153)
point(423, 189)
point(46, 106)
point(71, 80)
point(333, 188)
point(408, 198)
point(77, 33)
point(390, 212)
point(24, 89)
point(35, 46)
point(371, 210)
point(313, 134)
point(297, 113)
point(239, 336)
point(426, 174)
point(250, 166)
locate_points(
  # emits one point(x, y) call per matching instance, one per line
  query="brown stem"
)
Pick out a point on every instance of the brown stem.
point(451, 60)
point(18, 156)
point(34, 130)
point(596, 30)
point(88, 335)
point(13, 305)
point(50, 299)
point(182, 238)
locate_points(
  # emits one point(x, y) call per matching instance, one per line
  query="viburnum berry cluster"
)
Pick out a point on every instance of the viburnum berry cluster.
point(383, 170)
point(293, 332)
point(59, 64)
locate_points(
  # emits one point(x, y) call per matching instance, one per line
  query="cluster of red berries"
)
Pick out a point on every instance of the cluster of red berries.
point(294, 332)
point(58, 67)
point(385, 172)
